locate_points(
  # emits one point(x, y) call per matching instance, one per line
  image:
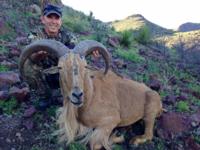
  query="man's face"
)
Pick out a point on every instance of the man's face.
point(52, 24)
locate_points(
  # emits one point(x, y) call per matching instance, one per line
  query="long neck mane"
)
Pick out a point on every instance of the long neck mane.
point(69, 126)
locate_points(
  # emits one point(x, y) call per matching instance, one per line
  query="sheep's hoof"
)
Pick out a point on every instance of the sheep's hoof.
point(118, 139)
point(97, 146)
point(138, 140)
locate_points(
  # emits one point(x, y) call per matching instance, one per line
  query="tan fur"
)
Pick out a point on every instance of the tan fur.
point(109, 101)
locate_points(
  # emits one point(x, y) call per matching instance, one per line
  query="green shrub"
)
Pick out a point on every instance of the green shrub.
point(197, 138)
point(143, 35)
point(76, 146)
point(52, 111)
point(100, 36)
point(195, 100)
point(76, 25)
point(182, 106)
point(126, 38)
point(130, 54)
point(3, 68)
point(117, 147)
point(8, 106)
point(194, 87)
point(153, 67)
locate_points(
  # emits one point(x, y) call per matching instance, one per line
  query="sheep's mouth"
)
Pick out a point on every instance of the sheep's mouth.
point(78, 104)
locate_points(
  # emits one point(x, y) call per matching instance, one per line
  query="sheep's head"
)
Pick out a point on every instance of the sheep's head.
point(73, 72)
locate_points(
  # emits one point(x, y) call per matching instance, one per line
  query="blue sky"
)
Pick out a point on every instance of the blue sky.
point(167, 13)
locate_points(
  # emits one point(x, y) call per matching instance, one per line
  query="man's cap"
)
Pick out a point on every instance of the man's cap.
point(52, 9)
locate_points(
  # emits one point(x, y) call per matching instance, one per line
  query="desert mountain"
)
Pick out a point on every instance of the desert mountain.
point(189, 26)
point(137, 21)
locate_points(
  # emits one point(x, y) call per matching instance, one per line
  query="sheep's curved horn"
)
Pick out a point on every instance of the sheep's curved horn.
point(52, 47)
point(86, 47)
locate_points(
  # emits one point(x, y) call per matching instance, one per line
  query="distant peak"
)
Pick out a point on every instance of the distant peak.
point(136, 16)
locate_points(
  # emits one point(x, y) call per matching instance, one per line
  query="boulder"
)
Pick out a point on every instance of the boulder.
point(8, 78)
point(20, 94)
point(172, 124)
point(113, 41)
point(4, 95)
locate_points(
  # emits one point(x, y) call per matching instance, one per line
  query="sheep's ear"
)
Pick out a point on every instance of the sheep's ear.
point(52, 70)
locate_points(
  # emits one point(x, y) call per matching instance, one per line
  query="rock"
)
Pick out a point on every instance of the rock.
point(2, 57)
point(19, 136)
point(169, 99)
point(195, 117)
point(154, 83)
point(8, 78)
point(86, 33)
point(4, 28)
point(35, 9)
point(183, 97)
point(8, 140)
point(173, 80)
point(4, 95)
point(172, 124)
point(28, 124)
point(191, 144)
point(120, 63)
point(14, 52)
point(29, 112)
point(113, 41)
point(8, 64)
point(20, 94)
point(196, 94)
point(22, 40)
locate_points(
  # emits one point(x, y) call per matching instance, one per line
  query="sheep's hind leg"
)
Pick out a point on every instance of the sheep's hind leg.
point(150, 114)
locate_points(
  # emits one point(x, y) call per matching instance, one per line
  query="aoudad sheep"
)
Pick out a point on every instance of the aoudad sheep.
point(96, 101)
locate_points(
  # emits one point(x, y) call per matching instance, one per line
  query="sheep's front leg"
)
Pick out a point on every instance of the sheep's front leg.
point(151, 110)
point(101, 135)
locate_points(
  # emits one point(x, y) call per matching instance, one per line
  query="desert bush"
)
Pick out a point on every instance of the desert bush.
point(182, 106)
point(8, 106)
point(76, 25)
point(126, 38)
point(3, 68)
point(143, 35)
point(130, 54)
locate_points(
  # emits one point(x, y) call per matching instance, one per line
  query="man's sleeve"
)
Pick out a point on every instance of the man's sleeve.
point(68, 38)
point(34, 35)
point(31, 37)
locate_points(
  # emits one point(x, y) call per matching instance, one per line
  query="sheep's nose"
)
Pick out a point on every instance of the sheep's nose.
point(78, 95)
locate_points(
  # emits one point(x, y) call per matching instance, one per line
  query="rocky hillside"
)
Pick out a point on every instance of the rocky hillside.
point(25, 127)
point(189, 26)
point(136, 22)
point(186, 44)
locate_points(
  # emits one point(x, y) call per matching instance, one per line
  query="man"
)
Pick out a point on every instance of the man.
point(52, 20)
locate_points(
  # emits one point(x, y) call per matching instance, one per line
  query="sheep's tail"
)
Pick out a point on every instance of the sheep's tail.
point(69, 127)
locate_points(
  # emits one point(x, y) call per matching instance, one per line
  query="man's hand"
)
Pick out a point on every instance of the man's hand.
point(96, 54)
point(39, 55)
